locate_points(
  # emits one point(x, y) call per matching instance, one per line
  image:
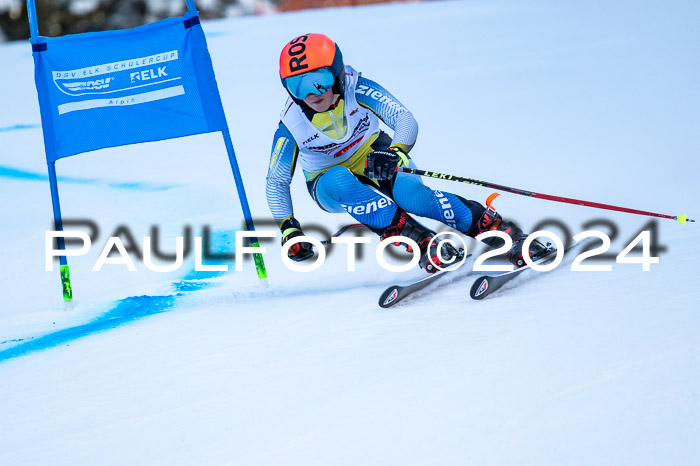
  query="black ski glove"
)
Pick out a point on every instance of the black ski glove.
point(382, 164)
point(300, 251)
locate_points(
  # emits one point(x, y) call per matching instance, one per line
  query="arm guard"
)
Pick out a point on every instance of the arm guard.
point(279, 174)
point(392, 112)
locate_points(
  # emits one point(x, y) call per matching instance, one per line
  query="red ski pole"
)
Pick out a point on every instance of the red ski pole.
point(442, 176)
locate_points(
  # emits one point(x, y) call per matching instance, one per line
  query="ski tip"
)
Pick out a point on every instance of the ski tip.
point(479, 287)
point(389, 297)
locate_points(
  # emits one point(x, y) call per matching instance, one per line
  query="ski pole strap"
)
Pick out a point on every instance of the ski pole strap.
point(442, 176)
point(351, 226)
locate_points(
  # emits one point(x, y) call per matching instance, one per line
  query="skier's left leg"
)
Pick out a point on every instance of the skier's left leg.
point(412, 195)
point(467, 216)
point(339, 190)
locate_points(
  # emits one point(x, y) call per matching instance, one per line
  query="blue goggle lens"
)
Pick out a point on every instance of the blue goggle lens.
point(314, 82)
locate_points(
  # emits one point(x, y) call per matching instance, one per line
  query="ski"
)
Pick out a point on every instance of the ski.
point(487, 284)
point(396, 293)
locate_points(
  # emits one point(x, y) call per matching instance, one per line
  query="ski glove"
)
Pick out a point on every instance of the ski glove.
point(382, 164)
point(300, 251)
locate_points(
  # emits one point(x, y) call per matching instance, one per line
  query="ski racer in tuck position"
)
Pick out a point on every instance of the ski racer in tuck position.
point(330, 125)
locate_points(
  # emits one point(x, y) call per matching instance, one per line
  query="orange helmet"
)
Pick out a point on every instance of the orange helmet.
point(306, 54)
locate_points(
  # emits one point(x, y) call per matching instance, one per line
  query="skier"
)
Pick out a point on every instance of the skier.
point(330, 125)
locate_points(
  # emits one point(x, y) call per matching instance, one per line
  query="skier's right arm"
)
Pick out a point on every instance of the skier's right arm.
point(279, 198)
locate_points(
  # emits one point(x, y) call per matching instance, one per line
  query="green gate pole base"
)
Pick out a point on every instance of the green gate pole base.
point(65, 283)
point(260, 266)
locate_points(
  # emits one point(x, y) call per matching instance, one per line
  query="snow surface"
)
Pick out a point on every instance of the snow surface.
point(593, 100)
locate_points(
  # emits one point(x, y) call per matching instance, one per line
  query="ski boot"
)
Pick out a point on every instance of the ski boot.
point(491, 220)
point(430, 259)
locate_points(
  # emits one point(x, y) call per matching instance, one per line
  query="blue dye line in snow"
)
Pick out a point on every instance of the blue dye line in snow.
point(18, 127)
point(7, 172)
point(123, 312)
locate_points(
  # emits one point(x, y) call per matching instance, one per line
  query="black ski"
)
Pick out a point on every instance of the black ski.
point(396, 293)
point(487, 284)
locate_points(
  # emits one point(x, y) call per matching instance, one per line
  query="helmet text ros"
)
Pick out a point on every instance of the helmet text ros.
point(298, 48)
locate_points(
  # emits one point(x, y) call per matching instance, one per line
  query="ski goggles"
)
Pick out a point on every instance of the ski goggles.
point(317, 81)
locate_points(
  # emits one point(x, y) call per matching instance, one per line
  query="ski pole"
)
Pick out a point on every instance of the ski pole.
point(442, 176)
point(341, 231)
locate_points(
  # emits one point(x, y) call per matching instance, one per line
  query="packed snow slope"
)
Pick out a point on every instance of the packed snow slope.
point(592, 100)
